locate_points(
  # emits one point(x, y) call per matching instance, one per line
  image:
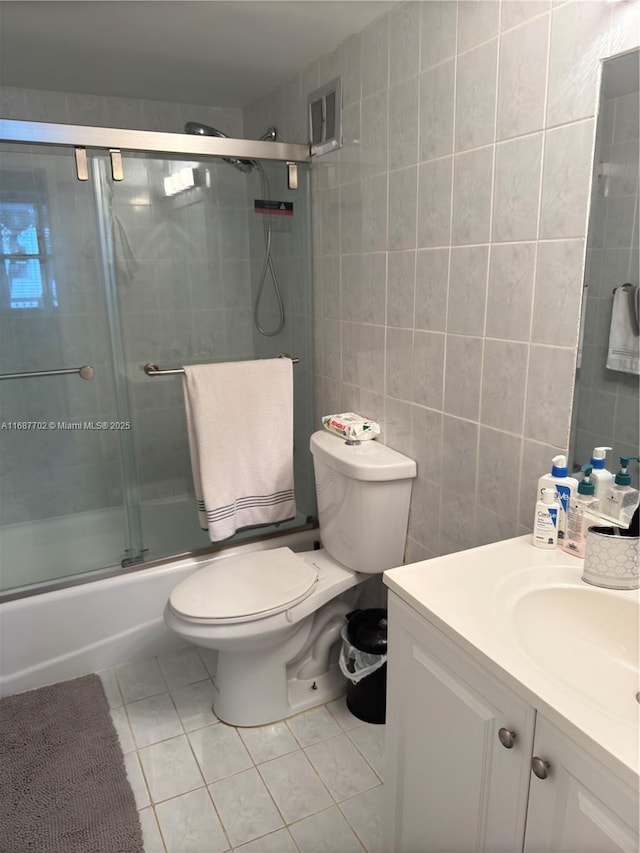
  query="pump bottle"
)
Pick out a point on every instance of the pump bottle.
point(564, 486)
point(601, 478)
point(621, 499)
point(583, 503)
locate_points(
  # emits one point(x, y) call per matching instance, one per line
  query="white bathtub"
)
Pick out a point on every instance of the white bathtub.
point(70, 632)
point(57, 548)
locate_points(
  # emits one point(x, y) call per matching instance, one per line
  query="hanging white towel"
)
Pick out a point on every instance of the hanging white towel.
point(624, 343)
point(240, 422)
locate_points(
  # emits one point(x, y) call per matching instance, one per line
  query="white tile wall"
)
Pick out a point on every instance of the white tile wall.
point(489, 206)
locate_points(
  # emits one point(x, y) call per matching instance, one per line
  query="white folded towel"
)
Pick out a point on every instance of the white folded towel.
point(240, 422)
point(624, 343)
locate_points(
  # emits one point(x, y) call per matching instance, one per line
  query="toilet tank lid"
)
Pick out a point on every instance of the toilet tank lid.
point(260, 582)
point(369, 460)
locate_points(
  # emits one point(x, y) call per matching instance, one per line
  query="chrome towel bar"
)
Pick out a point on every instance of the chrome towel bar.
point(152, 369)
point(85, 372)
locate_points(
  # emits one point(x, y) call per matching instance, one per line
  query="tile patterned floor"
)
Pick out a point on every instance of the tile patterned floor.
point(310, 784)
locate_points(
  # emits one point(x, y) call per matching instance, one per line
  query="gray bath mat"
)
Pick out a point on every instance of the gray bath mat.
point(63, 784)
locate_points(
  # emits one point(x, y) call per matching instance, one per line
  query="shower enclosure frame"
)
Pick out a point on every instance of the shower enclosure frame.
point(118, 139)
point(112, 141)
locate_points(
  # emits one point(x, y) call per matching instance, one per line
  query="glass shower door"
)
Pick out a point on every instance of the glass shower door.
point(187, 265)
point(62, 509)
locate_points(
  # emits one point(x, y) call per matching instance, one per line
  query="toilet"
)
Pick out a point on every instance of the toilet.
point(275, 616)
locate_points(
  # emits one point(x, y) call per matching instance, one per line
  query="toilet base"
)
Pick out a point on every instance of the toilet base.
point(316, 691)
point(255, 688)
point(303, 694)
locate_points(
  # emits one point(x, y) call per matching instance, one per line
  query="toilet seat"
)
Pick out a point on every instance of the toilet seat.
point(245, 587)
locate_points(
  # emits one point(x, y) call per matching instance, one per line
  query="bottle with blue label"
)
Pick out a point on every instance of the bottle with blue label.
point(545, 522)
point(565, 487)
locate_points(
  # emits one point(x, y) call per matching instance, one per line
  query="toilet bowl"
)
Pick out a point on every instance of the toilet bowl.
point(275, 616)
point(274, 652)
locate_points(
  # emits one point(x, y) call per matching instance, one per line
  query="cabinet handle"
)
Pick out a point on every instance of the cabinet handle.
point(507, 738)
point(540, 767)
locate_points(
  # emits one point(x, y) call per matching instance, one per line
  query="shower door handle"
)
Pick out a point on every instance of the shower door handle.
point(85, 372)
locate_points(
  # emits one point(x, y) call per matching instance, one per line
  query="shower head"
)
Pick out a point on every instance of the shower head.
point(199, 129)
point(195, 127)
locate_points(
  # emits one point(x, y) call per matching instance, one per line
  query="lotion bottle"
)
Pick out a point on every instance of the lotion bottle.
point(545, 522)
point(581, 505)
point(601, 478)
point(565, 487)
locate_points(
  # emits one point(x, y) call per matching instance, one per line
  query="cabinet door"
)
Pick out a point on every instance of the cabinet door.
point(450, 785)
point(580, 807)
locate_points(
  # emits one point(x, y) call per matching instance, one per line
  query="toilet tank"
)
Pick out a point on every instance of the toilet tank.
point(363, 494)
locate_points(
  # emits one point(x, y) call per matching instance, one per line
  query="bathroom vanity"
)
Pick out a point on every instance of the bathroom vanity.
point(512, 718)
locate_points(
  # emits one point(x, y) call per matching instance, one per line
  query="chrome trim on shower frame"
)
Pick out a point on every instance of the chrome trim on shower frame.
point(85, 136)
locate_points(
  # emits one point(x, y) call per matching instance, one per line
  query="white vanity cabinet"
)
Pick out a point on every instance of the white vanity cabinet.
point(460, 751)
point(579, 806)
point(450, 783)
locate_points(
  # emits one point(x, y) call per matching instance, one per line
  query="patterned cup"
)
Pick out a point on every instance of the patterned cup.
point(611, 561)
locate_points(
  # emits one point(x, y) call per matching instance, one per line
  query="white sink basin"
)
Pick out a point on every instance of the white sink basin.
point(587, 638)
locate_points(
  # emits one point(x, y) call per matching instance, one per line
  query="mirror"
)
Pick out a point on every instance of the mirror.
point(605, 410)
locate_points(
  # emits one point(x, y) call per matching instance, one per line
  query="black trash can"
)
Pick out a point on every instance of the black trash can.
point(366, 632)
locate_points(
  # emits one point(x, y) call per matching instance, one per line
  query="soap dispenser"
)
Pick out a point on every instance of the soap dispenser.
point(580, 506)
point(602, 478)
point(621, 499)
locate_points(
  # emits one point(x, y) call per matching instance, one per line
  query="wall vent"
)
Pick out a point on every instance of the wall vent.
point(325, 117)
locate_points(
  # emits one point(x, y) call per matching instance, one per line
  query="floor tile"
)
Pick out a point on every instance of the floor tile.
point(276, 842)
point(313, 726)
point(295, 786)
point(121, 723)
point(343, 715)
point(245, 807)
point(364, 813)
point(189, 824)
point(150, 833)
point(341, 767)
point(153, 719)
point(267, 742)
point(111, 688)
point(220, 751)
point(194, 703)
point(139, 679)
point(183, 666)
point(370, 741)
point(170, 768)
point(136, 780)
point(327, 832)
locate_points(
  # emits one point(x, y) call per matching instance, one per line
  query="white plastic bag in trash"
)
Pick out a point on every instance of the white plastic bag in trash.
point(356, 665)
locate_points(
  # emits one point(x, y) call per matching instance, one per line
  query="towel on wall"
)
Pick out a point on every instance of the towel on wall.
point(240, 423)
point(624, 342)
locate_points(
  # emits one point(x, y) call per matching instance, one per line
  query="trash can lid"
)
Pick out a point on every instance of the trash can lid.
point(367, 631)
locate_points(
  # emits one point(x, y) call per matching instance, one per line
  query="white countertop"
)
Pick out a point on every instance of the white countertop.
point(476, 598)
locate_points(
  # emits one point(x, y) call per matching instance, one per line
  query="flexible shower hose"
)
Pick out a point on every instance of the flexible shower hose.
point(267, 266)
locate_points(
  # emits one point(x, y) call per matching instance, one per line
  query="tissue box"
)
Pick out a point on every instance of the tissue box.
point(351, 426)
point(611, 561)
